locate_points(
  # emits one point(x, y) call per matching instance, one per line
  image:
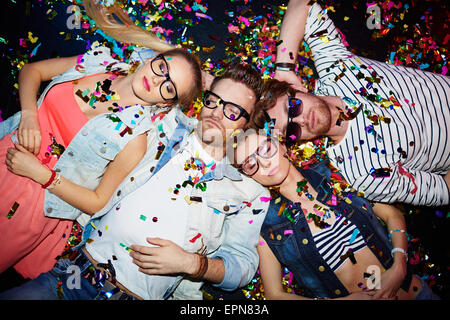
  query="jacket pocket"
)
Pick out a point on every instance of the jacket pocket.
point(103, 148)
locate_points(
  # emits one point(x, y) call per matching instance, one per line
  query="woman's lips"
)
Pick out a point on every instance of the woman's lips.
point(146, 83)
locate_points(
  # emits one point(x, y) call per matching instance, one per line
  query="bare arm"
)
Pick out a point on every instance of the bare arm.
point(30, 78)
point(22, 162)
point(392, 279)
point(270, 270)
point(291, 34)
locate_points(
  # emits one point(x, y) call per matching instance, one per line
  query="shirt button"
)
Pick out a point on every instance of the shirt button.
point(321, 268)
point(103, 149)
point(70, 153)
point(337, 292)
point(305, 241)
point(119, 193)
point(49, 210)
point(57, 170)
point(84, 132)
point(226, 208)
point(279, 237)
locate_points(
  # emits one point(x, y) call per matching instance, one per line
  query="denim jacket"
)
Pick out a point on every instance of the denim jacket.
point(296, 249)
point(229, 216)
point(99, 141)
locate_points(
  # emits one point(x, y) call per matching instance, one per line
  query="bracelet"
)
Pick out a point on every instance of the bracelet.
point(202, 268)
point(399, 250)
point(52, 177)
point(55, 182)
point(282, 69)
point(398, 230)
point(285, 65)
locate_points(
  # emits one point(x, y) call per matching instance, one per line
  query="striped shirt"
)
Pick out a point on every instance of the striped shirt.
point(335, 242)
point(397, 149)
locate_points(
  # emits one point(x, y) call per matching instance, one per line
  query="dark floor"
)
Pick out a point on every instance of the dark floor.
point(423, 23)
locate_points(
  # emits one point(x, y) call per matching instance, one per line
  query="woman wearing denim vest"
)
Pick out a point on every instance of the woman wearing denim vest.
point(70, 150)
point(329, 239)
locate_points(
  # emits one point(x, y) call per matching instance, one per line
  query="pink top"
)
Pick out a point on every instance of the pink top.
point(30, 241)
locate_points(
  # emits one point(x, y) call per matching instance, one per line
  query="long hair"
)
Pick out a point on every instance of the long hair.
point(127, 31)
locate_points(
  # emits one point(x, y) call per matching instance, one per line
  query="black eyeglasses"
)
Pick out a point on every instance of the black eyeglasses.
point(230, 110)
point(160, 68)
point(293, 129)
point(266, 150)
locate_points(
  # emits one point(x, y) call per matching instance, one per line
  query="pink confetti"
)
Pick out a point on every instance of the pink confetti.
point(265, 199)
point(288, 232)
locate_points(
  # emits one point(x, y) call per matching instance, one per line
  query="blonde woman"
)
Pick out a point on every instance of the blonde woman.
point(65, 154)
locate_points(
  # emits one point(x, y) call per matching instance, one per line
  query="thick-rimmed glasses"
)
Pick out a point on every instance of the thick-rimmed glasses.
point(293, 129)
point(160, 68)
point(266, 150)
point(230, 110)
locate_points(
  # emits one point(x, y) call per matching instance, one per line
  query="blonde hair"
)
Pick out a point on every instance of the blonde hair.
point(127, 31)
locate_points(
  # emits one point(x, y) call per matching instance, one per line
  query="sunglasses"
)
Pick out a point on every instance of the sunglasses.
point(293, 129)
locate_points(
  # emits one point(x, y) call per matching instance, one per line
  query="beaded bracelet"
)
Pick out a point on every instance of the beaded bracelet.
point(398, 230)
point(399, 250)
point(55, 182)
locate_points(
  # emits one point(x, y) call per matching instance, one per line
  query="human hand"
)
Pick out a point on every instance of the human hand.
point(22, 162)
point(166, 258)
point(391, 280)
point(29, 132)
point(292, 78)
point(361, 295)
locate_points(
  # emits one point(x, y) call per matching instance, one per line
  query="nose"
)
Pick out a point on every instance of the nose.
point(300, 120)
point(217, 112)
point(157, 80)
point(264, 163)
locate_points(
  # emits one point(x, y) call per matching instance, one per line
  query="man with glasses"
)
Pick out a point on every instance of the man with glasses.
point(387, 125)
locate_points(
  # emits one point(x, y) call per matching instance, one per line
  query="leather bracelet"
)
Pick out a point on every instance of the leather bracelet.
point(49, 182)
point(202, 268)
point(285, 65)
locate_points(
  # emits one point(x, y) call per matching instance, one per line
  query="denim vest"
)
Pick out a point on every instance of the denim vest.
point(229, 216)
point(100, 139)
point(296, 248)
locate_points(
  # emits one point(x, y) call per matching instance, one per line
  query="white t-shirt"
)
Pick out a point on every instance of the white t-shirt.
point(156, 209)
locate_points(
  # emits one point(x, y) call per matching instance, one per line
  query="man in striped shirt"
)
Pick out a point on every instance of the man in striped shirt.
point(388, 124)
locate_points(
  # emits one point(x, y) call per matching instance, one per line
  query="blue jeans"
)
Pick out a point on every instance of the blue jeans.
point(72, 286)
point(426, 293)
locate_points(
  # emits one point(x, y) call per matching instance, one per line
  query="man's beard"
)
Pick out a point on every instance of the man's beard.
point(323, 118)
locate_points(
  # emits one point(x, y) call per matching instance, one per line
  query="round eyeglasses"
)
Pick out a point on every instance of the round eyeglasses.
point(230, 110)
point(160, 68)
point(266, 150)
